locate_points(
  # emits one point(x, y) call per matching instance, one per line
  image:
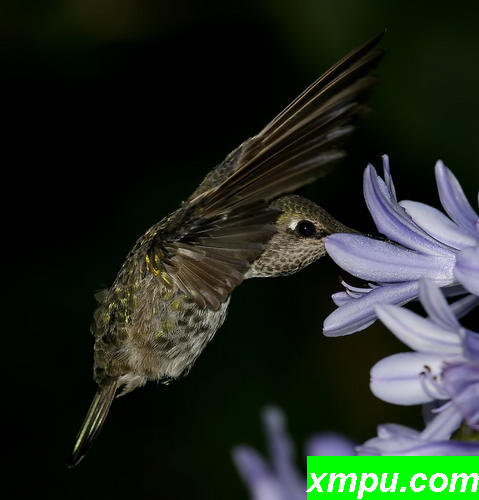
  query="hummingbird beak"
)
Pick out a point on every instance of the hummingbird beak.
point(337, 227)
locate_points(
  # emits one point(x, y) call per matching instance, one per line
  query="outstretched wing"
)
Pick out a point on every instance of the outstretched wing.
point(225, 224)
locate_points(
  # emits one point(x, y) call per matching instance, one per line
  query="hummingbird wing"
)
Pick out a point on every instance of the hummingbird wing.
point(332, 102)
point(224, 226)
point(207, 257)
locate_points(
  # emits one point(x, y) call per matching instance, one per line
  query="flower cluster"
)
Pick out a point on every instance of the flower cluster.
point(442, 374)
point(429, 256)
point(427, 250)
point(280, 479)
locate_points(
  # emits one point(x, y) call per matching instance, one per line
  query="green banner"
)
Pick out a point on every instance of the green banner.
point(371, 477)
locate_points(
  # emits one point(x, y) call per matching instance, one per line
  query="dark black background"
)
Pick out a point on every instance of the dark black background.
point(111, 112)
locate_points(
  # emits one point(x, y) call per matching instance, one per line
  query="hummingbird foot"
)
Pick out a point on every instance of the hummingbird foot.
point(129, 382)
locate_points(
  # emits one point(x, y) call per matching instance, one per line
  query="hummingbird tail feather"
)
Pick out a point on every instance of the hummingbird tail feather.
point(93, 422)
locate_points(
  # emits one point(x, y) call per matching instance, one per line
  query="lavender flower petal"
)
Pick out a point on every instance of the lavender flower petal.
point(393, 221)
point(350, 293)
point(281, 451)
point(256, 474)
point(281, 480)
point(330, 444)
point(397, 430)
point(407, 378)
point(442, 449)
point(465, 305)
point(436, 224)
point(471, 346)
point(454, 200)
point(467, 269)
point(436, 306)
point(388, 179)
point(447, 421)
point(390, 438)
point(357, 315)
point(461, 380)
point(394, 439)
point(418, 333)
point(341, 298)
point(383, 262)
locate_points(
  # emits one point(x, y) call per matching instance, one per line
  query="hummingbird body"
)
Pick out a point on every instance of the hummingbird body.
point(172, 293)
point(146, 328)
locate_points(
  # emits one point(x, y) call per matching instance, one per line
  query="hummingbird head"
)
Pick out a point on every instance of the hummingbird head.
point(302, 227)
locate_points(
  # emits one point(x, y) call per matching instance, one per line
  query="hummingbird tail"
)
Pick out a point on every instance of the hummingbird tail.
point(93, 422)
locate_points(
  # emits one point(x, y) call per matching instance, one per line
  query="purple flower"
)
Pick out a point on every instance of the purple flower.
point(467, 269)
point(280, 479)
point(329, 444)
point(444, 369)
point(424, 243)
point(395, 439)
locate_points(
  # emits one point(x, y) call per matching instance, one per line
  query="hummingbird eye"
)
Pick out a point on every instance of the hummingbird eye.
point(305, 228)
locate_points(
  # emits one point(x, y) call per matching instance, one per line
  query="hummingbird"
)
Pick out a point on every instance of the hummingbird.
point(172, 292)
